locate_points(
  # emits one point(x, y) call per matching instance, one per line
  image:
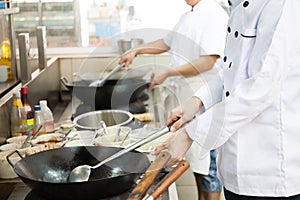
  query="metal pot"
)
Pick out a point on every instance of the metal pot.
point(124, 44)
point(90, 120)
point(47, 172)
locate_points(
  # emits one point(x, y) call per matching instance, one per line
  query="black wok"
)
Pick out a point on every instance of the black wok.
point(113, 94)
point(46, 172)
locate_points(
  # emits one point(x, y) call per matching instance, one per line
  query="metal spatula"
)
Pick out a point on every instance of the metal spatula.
point(99, 83)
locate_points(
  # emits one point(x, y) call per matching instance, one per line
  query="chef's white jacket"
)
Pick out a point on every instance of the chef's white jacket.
point(252, 111)
point(200, 31)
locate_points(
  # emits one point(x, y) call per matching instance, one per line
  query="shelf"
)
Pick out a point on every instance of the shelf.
point(8, 11)
point(7, 86)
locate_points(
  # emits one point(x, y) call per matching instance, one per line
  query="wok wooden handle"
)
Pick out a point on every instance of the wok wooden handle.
point(148, 179)
point(169, 179)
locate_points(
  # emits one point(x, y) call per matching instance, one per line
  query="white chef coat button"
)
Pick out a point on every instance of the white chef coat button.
point(236, 34)
point(230, 65)
point(227, 93)
point(246, 3)
point(225, 58)
point(228, 29)
point(229, 3)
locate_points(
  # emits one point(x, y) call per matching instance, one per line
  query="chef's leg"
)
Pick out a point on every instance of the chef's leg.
point(209, 186)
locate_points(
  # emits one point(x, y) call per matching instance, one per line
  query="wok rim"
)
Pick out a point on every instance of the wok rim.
point(102, 111)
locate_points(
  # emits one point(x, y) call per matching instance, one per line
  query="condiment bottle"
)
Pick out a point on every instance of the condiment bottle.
point(6, 57)
point(39, 120)
point(48, 117)
point(18, 117)
point(28, 110)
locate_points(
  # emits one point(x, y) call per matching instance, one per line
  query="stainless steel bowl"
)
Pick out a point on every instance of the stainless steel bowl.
point(90, 120)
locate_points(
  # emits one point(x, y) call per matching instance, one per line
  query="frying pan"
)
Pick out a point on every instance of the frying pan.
point(46, 172)
point(112, 94)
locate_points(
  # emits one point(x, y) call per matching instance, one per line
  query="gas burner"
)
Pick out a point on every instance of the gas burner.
point(34, 195)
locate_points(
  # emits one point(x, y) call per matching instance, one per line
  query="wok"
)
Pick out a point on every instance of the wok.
point(46, 172)
point(113, 94)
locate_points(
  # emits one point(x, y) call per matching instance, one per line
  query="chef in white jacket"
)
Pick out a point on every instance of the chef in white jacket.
point(251, 112)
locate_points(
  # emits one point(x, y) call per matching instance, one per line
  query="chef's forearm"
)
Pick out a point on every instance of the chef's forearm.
point(195, 67)
point(155, 47)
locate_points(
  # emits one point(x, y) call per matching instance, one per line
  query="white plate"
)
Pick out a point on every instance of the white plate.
point(52, 137)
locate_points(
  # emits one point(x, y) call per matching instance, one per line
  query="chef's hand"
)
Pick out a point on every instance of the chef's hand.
point(128, 57)
point(158, 77)
point(181, 115)
point(177, 145)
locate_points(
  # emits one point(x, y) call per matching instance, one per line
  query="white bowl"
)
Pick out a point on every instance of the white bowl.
point(109, 139)
point(17, 139)
point(86, 137)
point(10, 147)
point(76, 143)
point(45, 138)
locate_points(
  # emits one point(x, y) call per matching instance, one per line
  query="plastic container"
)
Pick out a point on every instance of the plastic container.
point(4, 123)
point(39, 120)
point(18, 117)
point(3, 73)
point(6, 57)
point(28, 110)
point(48, 117)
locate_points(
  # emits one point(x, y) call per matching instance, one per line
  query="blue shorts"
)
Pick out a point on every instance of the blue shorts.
point(210, 182)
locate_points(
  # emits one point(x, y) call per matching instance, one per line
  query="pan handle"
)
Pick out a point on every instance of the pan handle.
point(65, 81)
point(168, 180)
point(10, 154)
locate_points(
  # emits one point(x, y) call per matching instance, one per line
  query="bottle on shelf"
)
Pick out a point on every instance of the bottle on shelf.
point(48, 117)
point(2, 4)
point(18, 117)
point(6, 57)
point(39, 120)
point(28, 110)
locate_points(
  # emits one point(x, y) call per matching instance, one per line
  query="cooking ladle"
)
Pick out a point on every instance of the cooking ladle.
point(82, 173)
point(99, 83)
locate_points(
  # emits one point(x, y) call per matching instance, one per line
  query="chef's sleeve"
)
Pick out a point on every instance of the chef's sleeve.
point(213, 37)
point(276, 47)
point(211, 91)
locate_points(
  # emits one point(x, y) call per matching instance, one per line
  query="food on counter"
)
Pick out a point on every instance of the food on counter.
point(42, 147)
point(53, 137)
point(66, 126)
point(144, 117)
